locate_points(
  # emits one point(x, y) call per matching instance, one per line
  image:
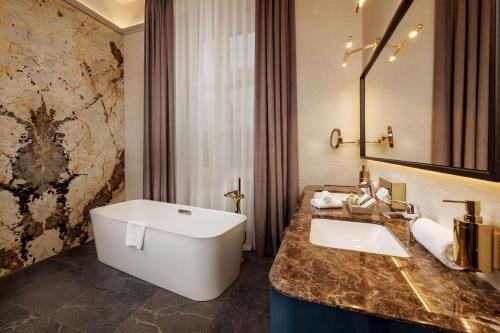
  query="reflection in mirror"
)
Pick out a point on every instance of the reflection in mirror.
point(431, 83)
point(376, 17)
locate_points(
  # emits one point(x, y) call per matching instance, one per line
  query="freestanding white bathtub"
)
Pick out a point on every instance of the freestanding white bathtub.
point(193, 252)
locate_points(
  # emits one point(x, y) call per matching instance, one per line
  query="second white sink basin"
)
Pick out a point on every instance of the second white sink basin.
point(356, 236)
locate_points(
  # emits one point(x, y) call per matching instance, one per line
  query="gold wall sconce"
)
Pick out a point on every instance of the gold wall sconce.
point(336, 139)
point(349, 50)
point(401, 45)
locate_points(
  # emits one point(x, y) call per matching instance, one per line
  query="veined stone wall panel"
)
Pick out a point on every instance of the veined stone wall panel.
point(61, 127)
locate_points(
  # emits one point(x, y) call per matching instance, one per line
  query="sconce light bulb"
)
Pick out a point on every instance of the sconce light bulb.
point(413, 34)
point(392, 58)
point(361, 3)
point(348, 45)
point(344, 65)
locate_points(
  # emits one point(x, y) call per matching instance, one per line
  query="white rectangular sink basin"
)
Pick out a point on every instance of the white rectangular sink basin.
point(356, 236)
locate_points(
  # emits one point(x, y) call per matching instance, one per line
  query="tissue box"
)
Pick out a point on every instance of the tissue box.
point(355, 209)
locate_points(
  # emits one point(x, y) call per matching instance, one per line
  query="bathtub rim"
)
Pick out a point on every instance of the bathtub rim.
point(242, 220)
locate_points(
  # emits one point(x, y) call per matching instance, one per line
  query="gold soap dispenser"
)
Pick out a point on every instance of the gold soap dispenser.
point(472, 240)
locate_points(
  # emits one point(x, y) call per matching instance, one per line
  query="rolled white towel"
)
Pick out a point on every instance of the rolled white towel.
point(437, 239)
point(318, 203)
point(325, 197)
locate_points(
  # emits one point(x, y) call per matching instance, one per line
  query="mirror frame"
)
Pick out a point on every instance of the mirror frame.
point(493, 172)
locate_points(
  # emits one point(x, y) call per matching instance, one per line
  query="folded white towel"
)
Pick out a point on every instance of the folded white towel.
point(318, 203)
point(325, 197)
point(135, 234)
point(437, 239)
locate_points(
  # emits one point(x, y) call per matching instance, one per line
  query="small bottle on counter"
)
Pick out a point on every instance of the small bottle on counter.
point(364, 175)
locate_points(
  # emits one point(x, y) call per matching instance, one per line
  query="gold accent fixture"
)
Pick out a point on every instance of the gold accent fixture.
point(336, 133)
point(389, 138)
point(397, 191)
point(401, 45)
point(236, 196)
point(364, 175)
point(336, 139)
point(348, 49)
point(472, 240)
point(184, 211)
point(359, 5)
point(410, 210)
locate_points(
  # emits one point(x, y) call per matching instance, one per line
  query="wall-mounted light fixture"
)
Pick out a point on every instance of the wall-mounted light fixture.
point(359, 5)
point(336, 139)
point(348, 49)
point(401, 45)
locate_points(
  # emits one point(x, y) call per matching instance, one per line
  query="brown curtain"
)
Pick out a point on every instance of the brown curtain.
point(462, 63)
point(159, 120)
point(276, 161)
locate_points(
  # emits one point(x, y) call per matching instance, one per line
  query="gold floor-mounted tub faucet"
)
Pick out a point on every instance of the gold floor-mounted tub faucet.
point(236, 196)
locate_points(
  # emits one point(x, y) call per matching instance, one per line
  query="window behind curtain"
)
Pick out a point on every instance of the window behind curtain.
point(214, 80)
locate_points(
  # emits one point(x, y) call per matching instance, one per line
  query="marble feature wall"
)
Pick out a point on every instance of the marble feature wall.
point(61, 127)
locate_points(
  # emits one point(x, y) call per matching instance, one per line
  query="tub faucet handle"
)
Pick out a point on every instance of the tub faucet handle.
point(236, 196)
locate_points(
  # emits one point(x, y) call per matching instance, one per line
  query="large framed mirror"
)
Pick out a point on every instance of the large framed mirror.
point(429, 94)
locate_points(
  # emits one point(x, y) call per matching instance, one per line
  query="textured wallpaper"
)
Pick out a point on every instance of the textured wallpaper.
point(327, 94)
point(61, 127)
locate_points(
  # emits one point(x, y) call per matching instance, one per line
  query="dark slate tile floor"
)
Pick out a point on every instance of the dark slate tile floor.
point(73, 292)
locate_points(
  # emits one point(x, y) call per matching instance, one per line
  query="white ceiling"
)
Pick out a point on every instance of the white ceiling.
point(123, 13)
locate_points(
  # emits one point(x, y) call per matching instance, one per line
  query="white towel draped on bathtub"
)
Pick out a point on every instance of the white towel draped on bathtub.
point(135, 234)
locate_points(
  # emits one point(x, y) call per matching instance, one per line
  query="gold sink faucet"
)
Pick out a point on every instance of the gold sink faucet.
point(236, 196)
point(410, 215)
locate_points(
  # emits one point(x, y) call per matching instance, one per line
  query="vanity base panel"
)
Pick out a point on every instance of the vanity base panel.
point(290, 315)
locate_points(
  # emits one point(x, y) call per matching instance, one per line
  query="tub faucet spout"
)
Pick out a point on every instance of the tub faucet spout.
point(236, 196)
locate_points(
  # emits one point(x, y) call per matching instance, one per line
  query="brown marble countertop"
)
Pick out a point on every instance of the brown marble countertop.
point(418, 290)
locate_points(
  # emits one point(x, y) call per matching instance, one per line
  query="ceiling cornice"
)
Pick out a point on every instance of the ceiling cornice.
point(86, 10)
point(133, 28)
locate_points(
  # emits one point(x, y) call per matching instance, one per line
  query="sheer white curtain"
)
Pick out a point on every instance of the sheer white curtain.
point(214, 98)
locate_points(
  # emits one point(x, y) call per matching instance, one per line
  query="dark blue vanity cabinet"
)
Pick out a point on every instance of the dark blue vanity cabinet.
point(290, 315)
